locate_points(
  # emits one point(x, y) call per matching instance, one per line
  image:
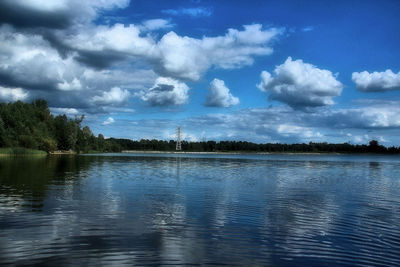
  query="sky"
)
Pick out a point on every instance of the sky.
point(260, 71)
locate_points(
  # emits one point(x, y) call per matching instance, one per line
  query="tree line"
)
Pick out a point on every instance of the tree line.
point(243, 146)
point(31, 125)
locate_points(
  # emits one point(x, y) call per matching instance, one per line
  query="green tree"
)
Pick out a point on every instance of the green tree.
point(48, 145)
point(66, 132)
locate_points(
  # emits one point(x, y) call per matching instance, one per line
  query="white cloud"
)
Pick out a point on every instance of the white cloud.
point(101, 46)
point(47, 45)
point(156, 24)
point(188, 58)
point(300, 84)
point(115, 96)
point(293, 130)
point(108, 121)
point(28, 61)
point(67, 111)
point(252, 34)
point(366, 117)
point(193, 12)
point(75, 84)
point(376, 81)
point(173, 55)
point(12, 94)
point(181, 57)
point(166, 92)
point(219, 95)
point(118, 38)
point(379, 117)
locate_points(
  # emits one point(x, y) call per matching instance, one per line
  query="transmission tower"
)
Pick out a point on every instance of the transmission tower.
point(178, 139)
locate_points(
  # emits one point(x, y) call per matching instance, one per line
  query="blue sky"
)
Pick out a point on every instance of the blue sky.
point(261, 71)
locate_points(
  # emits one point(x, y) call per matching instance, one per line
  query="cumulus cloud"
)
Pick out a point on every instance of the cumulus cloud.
point(166, 92)
point(61, 20)
point(193, 12)
point(113, 97)
point(12, 94)
point(156, 24)
point(96, 86)
point(188, 58)
point(118, 38)
point(28, 61)
point(54, 50)
point(300, 84)
point(108, 121)
point(175, 56)
point(53, 60)
point(376, 81)
point(219, 95)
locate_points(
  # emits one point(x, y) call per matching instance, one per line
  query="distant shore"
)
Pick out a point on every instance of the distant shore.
point(226, 152)
point(61, 152)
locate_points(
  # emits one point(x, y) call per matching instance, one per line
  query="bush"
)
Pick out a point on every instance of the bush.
point(27, 141)
point(48, 145)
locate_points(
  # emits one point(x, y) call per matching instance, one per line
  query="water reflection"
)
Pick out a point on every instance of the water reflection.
point(140, 210)
point(25, 180)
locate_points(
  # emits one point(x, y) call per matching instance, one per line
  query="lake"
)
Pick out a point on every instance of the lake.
point(173, 209)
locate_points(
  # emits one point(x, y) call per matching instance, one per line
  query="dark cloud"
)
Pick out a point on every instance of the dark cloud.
point(26, 17)
point(99, 59)
point(8, 79)
point(63, 49)
point(77, 100)
point(163, 88)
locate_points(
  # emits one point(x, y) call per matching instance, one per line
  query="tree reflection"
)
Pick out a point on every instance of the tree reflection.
point(26, 179)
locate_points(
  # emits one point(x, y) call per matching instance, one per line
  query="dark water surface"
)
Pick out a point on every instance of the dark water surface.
point(141, 209)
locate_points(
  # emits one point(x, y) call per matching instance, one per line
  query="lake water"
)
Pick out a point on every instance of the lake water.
point(172, 209)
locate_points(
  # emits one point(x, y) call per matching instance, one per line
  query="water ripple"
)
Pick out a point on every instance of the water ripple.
point(218, 210)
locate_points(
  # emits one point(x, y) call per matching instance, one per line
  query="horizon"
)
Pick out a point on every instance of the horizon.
point(261, 72)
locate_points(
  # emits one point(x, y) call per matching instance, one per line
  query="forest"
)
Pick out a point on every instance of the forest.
point(32, 126)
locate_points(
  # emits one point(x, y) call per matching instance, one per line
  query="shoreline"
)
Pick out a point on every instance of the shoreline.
point(226, 153)
point(63, 153)
point(20, 151)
